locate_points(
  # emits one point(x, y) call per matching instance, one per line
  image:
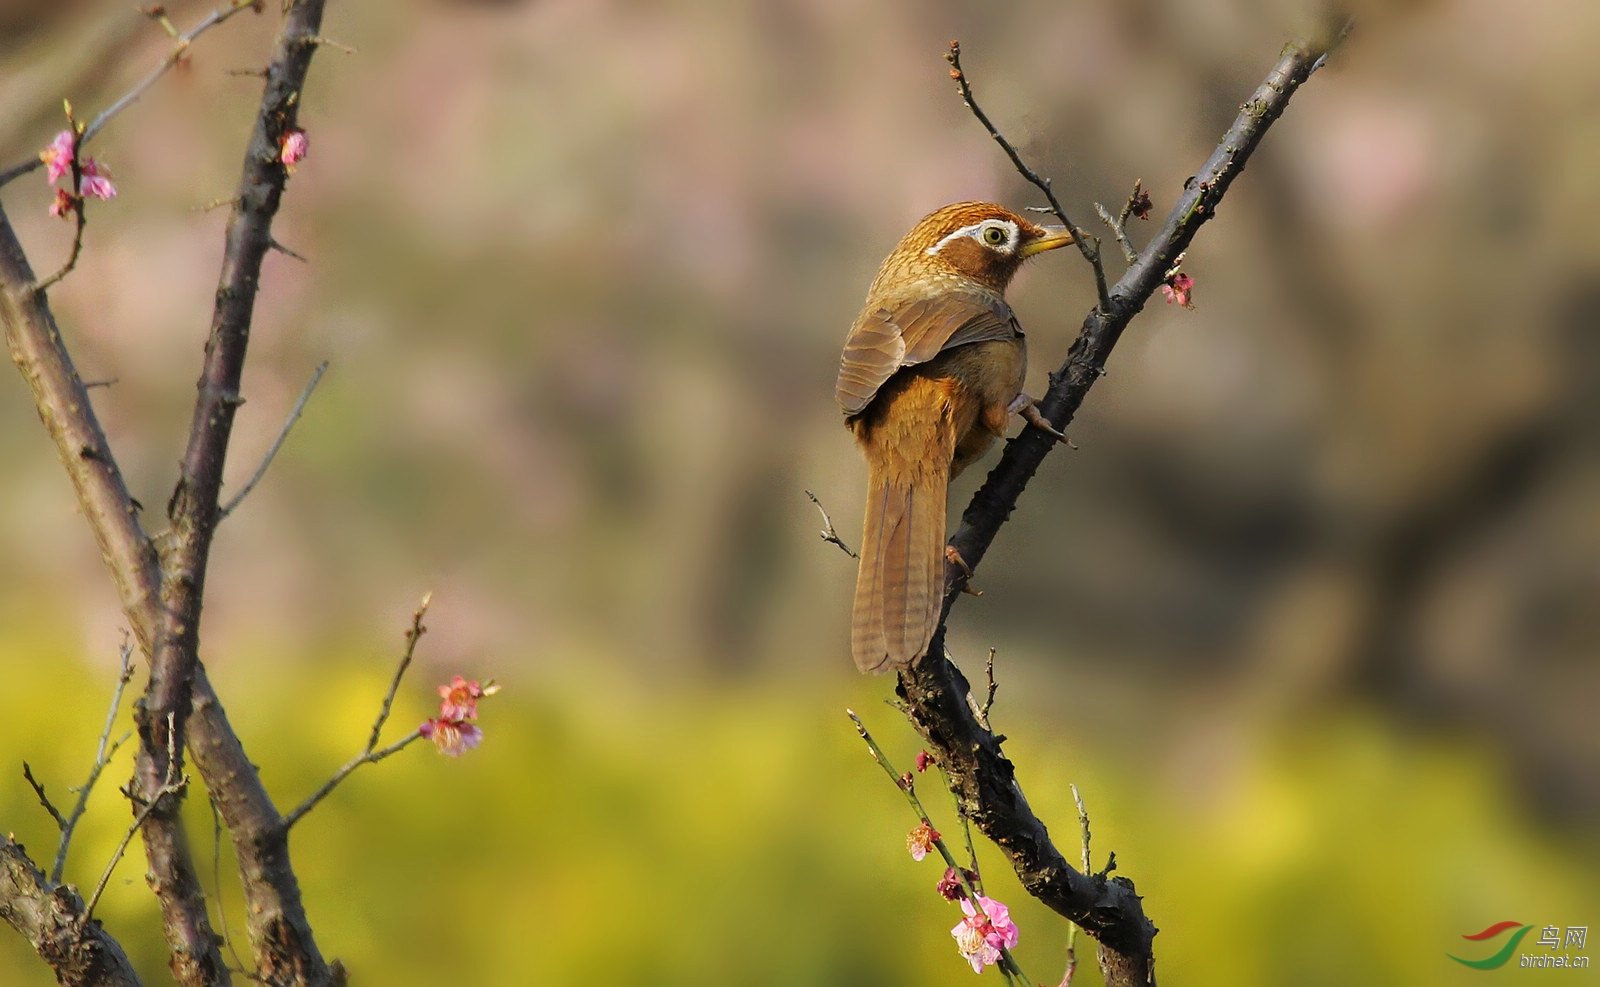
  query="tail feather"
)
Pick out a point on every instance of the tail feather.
point(899, 586)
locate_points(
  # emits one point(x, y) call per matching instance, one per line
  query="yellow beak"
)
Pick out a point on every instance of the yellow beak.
point(1054, 236)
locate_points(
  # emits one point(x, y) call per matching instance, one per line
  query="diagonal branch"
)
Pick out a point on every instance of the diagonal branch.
point(272, 452)
point(935, 691)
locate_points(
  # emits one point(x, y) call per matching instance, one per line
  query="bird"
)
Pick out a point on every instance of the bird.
point(931, 373)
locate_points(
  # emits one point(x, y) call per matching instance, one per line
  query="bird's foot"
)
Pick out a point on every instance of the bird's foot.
point(1028, 408)
point(954, 556)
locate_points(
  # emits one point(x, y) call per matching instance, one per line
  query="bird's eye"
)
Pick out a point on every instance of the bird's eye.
point(994, 236)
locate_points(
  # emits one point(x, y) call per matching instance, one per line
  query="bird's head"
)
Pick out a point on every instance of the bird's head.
point(979, 241)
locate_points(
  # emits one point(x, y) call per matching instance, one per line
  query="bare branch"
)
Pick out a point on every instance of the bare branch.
point(1091, 252)
point(371, 754)
point(266, 461)
point(44, 800)
point(102, 756)
point(828, 534)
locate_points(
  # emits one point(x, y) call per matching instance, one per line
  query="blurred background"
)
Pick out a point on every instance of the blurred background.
point(1309, 616)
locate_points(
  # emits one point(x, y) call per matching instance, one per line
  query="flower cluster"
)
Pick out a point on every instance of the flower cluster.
point(452, 730)
point(94, 178)
point(986, 929)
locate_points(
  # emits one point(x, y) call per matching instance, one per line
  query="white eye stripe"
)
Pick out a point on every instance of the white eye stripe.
point(976, 231)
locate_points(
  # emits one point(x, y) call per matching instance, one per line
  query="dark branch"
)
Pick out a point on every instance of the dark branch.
point(44, 800)
point(284, 948)
point(936, 692)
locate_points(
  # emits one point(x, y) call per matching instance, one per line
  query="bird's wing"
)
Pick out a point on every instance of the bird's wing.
point(904, 334)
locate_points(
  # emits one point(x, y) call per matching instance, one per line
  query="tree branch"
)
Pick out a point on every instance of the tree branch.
point(371, 754)
point(179, 51)
point(285, 950)
point(936, 692)
point(283, 433)
point(62, 400)
point(49, 917)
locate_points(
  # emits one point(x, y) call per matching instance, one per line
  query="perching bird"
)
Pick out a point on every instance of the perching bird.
point(931, 374)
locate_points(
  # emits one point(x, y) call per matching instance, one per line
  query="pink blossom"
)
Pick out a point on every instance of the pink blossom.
point(920, 840)
point(923, 760)
point(1177, 289)
point(96, 180)
point(452, 737)
point(459, 699)
point(62, 205)
point(292, 148)
point(57, 157)
point(982, 934)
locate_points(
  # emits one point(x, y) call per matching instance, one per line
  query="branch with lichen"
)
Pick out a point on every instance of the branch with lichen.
point(936, 695)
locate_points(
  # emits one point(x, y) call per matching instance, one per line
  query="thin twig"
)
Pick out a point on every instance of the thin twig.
point(79, 217)
point(1009, 967)
point(371, 754)
point(44, 800)
point(828, 534)
point(1138, 203)
point(179, 50)
point(283, 433)
point(1091, 252)
point(169, 785)
point(102, 757)
point(1116, 229)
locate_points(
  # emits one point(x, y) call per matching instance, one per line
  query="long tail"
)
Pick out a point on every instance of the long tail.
point(900, 584)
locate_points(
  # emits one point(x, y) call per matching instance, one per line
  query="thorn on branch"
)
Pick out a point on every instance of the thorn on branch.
point(330, 43)
point(828, 534)
point(280, 248)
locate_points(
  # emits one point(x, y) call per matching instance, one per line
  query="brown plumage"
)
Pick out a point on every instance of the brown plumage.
point(931, 373)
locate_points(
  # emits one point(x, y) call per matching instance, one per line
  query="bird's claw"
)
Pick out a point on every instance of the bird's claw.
point(1028, 408)
point(952, 555)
